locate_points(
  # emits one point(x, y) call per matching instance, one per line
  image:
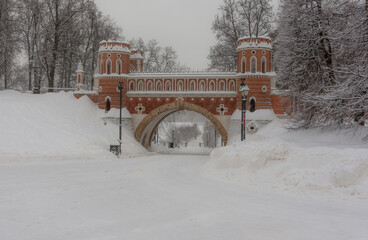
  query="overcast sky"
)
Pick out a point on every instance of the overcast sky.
point(183, 24)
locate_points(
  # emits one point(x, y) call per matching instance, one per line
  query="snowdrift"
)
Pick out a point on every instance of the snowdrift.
point(309, 160)
point(56, 125)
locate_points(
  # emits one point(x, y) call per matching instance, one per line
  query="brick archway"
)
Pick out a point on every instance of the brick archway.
point(145, 129)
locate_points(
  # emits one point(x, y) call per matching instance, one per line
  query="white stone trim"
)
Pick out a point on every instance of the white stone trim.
point(251, 98)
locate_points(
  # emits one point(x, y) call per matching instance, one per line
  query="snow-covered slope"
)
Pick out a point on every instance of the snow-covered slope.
point(56, 126)
point(302, 161)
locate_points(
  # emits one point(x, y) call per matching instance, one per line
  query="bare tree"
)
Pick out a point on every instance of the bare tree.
point(228, 29)
point(256, 16)
point(58, 15)
point(236, 19)
point(157, 58)
point(99, 28)
point(168, 59)
point(153, 59)
point(54, 35)
point(28, 22)
point(8, 40)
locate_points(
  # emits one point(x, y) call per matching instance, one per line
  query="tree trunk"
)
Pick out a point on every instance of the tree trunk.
point(6, 46)
point(325, 46)
point(6, 70)
point(30, 61)
point(54, 50)
point(70, 68)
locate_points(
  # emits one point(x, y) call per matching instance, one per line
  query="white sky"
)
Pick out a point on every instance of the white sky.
point(183, 24)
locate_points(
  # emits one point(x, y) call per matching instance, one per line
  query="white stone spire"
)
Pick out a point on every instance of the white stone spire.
point(80, 67)
point(80, 77)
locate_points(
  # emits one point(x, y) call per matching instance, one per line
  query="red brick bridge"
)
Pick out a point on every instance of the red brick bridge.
point(151, 97)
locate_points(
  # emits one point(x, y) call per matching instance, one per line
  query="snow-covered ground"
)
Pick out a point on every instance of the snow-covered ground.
point(308, 161)
point(161, 197)
point(59, 181)
point(56, 126)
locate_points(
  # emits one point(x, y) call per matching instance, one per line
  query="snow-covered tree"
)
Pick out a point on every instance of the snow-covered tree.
point(346, 103)
point(322, 59)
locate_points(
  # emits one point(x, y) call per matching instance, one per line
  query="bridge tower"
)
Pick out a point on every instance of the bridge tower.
point(255, 65)
point(116, 62)
point(113, 67)
point(114, 58)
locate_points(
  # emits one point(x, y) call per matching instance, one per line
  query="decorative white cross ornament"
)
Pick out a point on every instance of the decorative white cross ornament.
point(222, 109)
point(140, 109)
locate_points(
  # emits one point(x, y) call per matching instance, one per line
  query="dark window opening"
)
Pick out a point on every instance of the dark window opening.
point(252, 105)
point(253, 65)
point(263, 66)
point(109, 67)
point(108, 105)
point(119, 67)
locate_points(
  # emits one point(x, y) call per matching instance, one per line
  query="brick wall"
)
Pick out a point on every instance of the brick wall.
point(281, 104)
point(93, 97)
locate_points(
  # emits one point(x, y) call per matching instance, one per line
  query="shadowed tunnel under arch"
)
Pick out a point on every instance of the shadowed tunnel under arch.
point(145, 130)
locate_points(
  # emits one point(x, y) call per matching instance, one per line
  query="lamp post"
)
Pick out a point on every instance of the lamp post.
point(173, 139)
point(244, 90)
point(121, 103)
point(116, 149)
point(214, 127)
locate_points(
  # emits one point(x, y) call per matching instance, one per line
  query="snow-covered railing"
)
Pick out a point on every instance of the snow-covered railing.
point(183, 92)
point(204, 72)
point(60, 89)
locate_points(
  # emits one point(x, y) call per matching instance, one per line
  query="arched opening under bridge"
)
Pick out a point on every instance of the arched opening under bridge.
point(145, 131)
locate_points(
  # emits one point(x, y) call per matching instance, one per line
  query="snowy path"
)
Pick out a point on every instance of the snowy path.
point(159, 197)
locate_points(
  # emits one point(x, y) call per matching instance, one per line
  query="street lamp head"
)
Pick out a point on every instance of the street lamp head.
point(120, 87)
point(244, 89)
